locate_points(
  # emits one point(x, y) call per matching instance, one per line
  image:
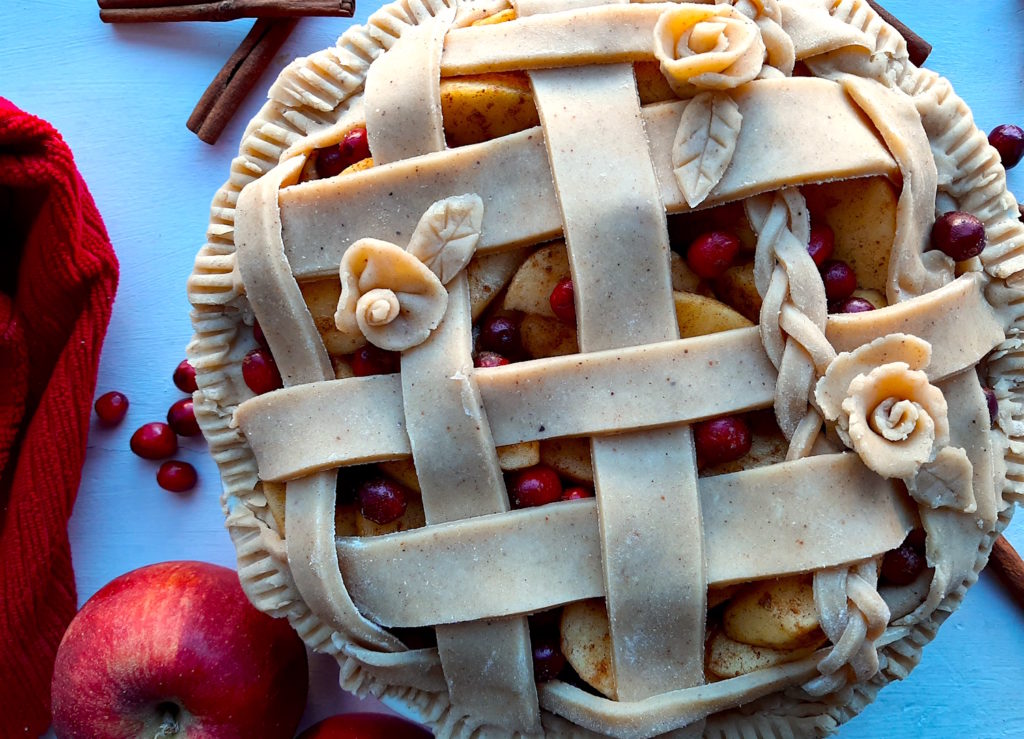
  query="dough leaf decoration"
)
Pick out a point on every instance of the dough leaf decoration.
point(946, 483)
point(705, 143)
point(446, 236)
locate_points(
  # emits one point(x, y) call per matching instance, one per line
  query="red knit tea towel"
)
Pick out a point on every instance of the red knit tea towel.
point(58, 275)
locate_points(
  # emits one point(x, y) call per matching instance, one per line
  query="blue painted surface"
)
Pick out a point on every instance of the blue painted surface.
point(121, 95)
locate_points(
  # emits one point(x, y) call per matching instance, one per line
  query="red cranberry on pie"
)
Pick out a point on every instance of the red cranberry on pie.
point(577, 492)
point(257, 333)
point(185, 377)
point(259, 370)
point(500, 334)
point(822, 244)
point(902, 565)
point(958, 235)
point(382, 500)
point(490, 359)
point(839, 278)
point(154, 441)
point(536, 485)
point(854, 305)
point(548, 660)
point(1008, 140)
point(993, 404)
point(372, 360)
point(182, 418)
point(176, 476)
point(721, 440)
point(712, 253)
point(562, 301)
point(333, 160)
point(111, 407)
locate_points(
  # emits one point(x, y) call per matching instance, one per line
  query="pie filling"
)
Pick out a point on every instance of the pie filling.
point(627, 348)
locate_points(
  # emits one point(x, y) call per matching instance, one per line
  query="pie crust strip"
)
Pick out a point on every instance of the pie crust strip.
point(639, 387)
point(488, 666)
point(645, 482)
point(756, 525)
point(301, 359)
point(811, 133)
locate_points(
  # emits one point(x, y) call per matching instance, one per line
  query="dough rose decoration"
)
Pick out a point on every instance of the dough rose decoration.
point(395, 297)
point(891, 415)
point(707, 47)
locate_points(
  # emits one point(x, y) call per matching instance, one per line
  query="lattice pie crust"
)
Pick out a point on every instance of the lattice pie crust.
point(884, 412)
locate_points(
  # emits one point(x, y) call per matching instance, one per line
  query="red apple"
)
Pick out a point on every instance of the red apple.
point(176, 650)
point(365, 726)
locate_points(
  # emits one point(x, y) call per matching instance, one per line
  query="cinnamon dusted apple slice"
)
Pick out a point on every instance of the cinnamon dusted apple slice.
point(274, 493)
point(488, 274)
point(402, 470)
point(321, 298)
point(478, 108)
point(729, 658)
point(698, 315)
point(736, 289)
point(519, 456)
point(777, 614)
point(530, 288)
point(569, 457)
point(547, 337)
point(862, 216)
point(587, 644)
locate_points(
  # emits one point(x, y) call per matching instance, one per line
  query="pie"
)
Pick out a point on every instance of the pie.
point(541, 282)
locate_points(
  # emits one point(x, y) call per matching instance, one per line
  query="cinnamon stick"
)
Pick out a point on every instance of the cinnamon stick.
point(1008, 565)
point(238, 76)
point(917, 47)
point(153, 11)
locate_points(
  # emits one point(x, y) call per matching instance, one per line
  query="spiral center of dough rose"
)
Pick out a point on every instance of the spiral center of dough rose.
point(379, 307)
point(895, 419)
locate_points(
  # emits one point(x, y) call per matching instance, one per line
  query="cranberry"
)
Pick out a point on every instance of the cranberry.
point(1008, 140)
point(993, 404)
point(712, 253)
point(257, 333)
point(822, 244)
point(490, 359)
point(839, 278)
point(182, 418)
point(371, 360)
point(259, 370)
point(332, 160)
point(349, 480)
point(721, 440)
point(548, 659)
point(916, 539)
point(536, 486)
point(958, 235)
point(185, 377)
point(176, 476)
point(563, 302)
point(154, 441)
point(854, 305)
point(577, 493)
point(382, 500)
point(902, 565)
point(500, 334)
point(111, 407)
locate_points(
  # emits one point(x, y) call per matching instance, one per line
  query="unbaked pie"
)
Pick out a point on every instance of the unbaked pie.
point(543, 282)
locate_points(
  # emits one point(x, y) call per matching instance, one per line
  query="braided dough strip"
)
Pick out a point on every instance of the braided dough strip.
point(411, 578)
point(665, 383)
point(512, 175)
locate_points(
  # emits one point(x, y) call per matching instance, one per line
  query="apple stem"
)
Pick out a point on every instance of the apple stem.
point(169, 726)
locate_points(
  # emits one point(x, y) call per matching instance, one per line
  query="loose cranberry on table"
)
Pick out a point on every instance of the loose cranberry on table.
point(563, 302)
point(536, 486)
point(365, 726)
point(371, 360)
point(259, 370)
point(333, 160)
point(500, 334)
point(958, 235)
point(822, 244)
point(182, 418)
point(111, 407)
point(382, 500)
point(154, 441)
point(712, 253)
point(490, 359)
point(577, 493)
point(185, 377)
point(721, 440)
point(1008, 140)
point(177, 476)
point(839, 278)
point(854, 305)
